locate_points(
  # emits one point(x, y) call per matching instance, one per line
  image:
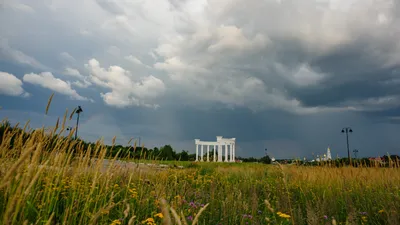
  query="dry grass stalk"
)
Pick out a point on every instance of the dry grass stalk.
point(164, 209)
point(287, 192)
point(196, 218)
point(183, 219)
point(38, 173)
point(333, 221)
point(126, 211)
point(50, 219)
point(66, 216)
point(17, 164)
point(72, 114)
point(56, 127)
point(98, 214)
point(177, 219)
point(269, 207)
point(312, 217)
point(131, 220)
point(64, 121)
point(49, 102)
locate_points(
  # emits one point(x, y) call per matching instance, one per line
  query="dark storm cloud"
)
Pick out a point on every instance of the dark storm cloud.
point(234, 123)
point(355, 72)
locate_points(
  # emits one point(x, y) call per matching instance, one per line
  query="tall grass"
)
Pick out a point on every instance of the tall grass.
point(47, 180)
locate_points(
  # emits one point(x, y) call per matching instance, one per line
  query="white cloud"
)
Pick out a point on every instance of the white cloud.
point(82, 81)
point(302, 76)
point(135, 60)
point(11, 85)
point(73, 72)
point(175, 64)
point(47, 80)
point(82, 84)
point(374, 103)
point(67, 58)
point(18, 6)
point(17, 56)
point(232, 38)
point(125, 90)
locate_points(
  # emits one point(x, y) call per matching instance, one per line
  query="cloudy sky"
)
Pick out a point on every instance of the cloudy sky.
point(286, 75)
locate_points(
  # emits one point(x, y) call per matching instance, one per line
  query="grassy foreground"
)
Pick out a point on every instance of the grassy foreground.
point(63, 186)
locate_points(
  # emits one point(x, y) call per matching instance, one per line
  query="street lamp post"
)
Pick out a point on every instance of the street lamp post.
point(355, 153)
point(347, 130)
point(78, 111)
point(138, 139)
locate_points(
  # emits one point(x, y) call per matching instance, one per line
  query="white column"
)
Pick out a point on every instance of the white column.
point(197, 152)
point(215, 149)
point(230, 152)
point(234, 152)
point(202, 153)
point(219, 153)
point(208, 153)
point(226, 153)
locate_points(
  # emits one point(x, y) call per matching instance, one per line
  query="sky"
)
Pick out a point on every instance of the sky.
point(281, 75)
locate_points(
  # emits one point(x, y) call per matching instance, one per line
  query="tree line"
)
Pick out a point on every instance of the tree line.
point(165, 152)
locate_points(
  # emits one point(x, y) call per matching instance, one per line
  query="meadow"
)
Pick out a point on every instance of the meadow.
point(47, 180)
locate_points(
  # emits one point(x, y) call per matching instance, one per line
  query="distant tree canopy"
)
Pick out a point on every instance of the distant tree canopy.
point(266, 160)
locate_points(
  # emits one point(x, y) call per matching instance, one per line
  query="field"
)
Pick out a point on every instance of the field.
point(45, 180)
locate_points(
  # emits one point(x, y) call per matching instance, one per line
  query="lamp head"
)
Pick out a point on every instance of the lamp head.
point(350, 130)
point(342, 130)
point(79, 110)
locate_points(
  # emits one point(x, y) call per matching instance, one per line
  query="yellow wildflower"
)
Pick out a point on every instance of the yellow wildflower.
point(149, 221)
point(103, 211)
point(116, 185)
point(283, 215)
point(133, 192)
point(364, 219)
point(160, 215)
point(381, 211)
point(115, 222)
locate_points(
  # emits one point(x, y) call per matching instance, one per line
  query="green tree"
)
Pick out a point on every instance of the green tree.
point(183, 156)
point(167, 153)
point(266, 160)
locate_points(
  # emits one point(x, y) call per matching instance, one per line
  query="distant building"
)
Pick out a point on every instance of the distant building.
point(326, 157)
point(328, 154)
point(377, 159)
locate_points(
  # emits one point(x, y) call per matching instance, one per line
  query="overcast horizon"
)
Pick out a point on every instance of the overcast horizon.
point(284, 75)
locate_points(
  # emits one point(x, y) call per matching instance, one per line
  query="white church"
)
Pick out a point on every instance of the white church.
point(325, 157)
